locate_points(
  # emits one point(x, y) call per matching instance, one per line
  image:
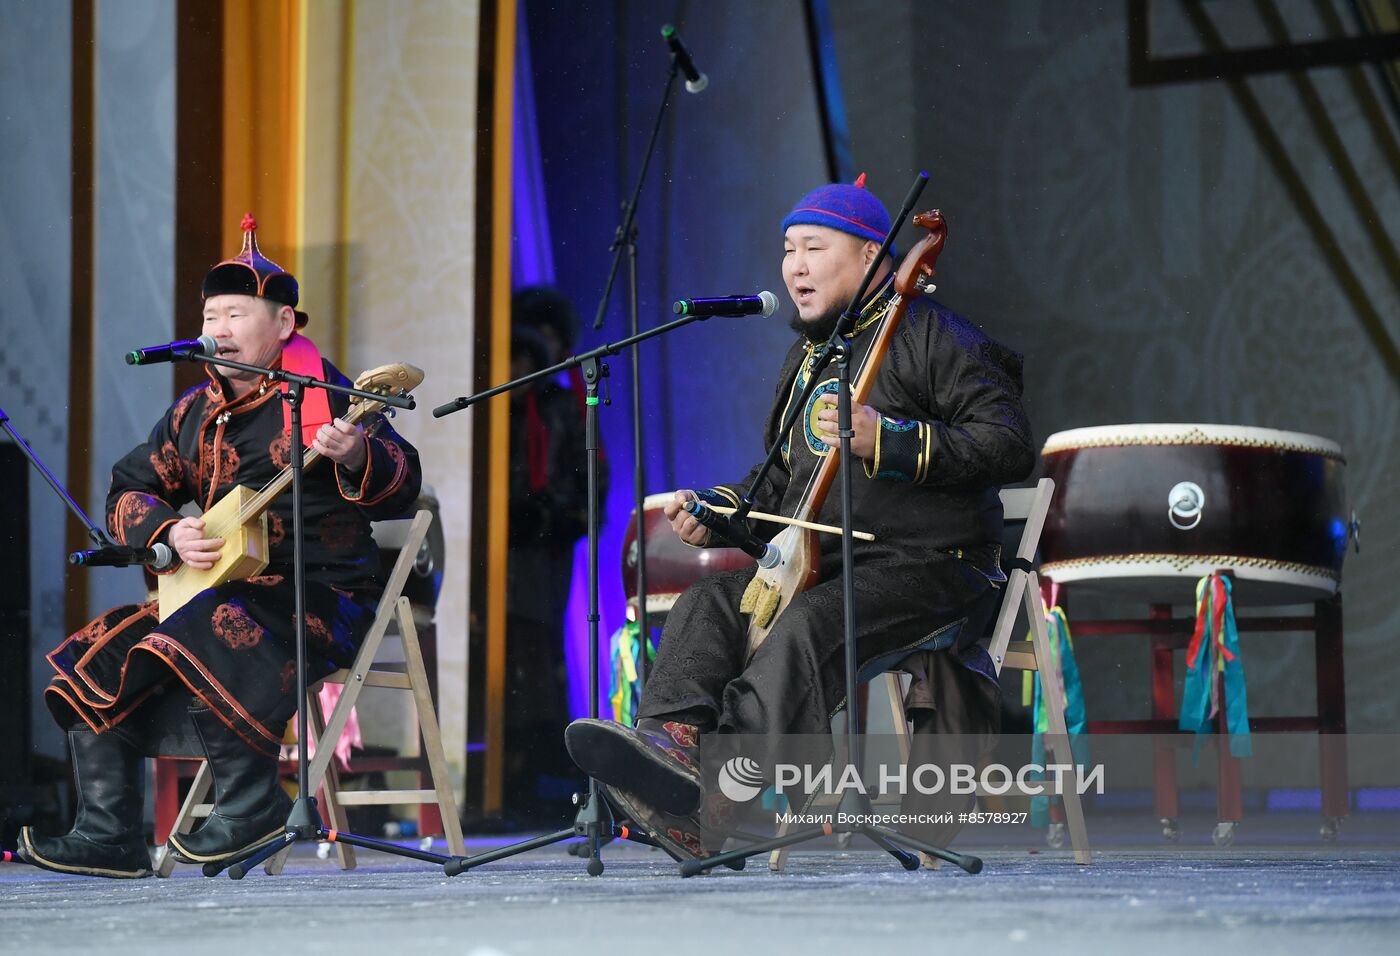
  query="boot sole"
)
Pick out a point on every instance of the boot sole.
point(611, 754)
point(174, 848)
point(33, 858)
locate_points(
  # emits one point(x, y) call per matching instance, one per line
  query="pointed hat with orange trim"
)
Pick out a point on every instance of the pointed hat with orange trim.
point(252, 273)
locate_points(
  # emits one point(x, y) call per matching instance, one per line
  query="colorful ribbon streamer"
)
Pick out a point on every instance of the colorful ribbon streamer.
point(625, 649)
point(1214, 665)
point(1066, 674)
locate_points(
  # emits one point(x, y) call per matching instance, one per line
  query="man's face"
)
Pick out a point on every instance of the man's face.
point(822, 268)
point(248, 330)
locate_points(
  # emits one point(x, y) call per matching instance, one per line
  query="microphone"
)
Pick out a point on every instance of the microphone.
point(172, 351)
point(735, 534)
point(157, 558)
point(695, 81)
point(765, 304)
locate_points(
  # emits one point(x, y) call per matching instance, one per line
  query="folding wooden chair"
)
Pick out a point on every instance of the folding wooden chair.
point(322, 773)
point(1027, 507)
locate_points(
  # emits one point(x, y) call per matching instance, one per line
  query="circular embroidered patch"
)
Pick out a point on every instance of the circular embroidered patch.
point(824, 395)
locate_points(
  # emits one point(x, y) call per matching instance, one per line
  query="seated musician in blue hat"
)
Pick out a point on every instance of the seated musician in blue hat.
point(217, 676)
point(943, 430)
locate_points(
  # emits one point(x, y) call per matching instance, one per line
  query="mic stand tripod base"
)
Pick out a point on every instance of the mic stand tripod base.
point(593, 821)
point(304, 826)
point(854, 805)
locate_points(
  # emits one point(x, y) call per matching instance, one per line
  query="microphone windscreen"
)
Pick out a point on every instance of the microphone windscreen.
point(770, 302)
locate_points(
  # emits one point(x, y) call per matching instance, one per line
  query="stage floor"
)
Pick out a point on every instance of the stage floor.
point(1277, 899)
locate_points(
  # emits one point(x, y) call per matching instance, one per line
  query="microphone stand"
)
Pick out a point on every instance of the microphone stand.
point(593, 820)
point(95, 534)
point(304, 823)
point(625, 243)
point(853, 806)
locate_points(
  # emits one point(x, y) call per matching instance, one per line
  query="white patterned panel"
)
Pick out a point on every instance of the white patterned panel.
point(410, 296)
point(134, 300)
point(35, 73)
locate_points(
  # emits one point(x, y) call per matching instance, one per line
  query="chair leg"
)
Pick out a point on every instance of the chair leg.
point(428, 728)
point(894, 685)
point(778, 858)
point(1331, 709)
point(1057, 739)
point(328, 788)
point(1164, 790)
point(184, 820)
point(166, 777)
point(325, 788)
point(1229, 800)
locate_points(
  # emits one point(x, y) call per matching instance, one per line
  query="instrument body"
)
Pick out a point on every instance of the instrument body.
point(672, 565)
point(773, 589)
point(244, 554)
point(1147, 510)
point(240, 517)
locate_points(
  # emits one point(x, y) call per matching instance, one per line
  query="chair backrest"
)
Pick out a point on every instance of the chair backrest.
point(409, 544)
point(1028, 506)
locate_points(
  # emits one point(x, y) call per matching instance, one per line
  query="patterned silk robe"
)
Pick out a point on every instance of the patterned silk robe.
point(233, 647)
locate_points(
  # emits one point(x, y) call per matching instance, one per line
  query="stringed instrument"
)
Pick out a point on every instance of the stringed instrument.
point(240, 517)
point(772, 589)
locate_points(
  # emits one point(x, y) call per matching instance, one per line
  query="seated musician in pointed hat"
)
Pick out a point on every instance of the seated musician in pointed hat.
point(943, 429)
point(217, 677)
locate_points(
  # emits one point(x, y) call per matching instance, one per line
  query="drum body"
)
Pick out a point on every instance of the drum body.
point(672, 565)
point(1147, 510)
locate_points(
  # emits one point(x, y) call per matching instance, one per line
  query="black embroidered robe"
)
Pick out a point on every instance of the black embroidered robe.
point(952, 432)
point(233, 646)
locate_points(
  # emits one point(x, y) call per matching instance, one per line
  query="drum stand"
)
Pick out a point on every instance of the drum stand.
point(593, 820)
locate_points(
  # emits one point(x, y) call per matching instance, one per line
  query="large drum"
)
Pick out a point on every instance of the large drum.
point(672, 565)
point(1146, 510)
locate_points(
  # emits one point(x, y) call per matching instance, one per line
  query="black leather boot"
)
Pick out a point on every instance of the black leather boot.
point(250, 805)
point(106, 839)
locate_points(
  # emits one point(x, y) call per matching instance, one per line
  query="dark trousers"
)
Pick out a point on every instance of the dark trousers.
point(795, 683)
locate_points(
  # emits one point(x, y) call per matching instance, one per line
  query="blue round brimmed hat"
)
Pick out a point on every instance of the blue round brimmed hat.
point(848, 208)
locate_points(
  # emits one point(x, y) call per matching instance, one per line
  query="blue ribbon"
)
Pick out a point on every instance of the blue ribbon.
point(626, 648)
point(1218, 653)
point(1062, 652)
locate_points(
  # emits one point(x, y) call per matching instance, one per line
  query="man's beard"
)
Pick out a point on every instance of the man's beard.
point(818, 329)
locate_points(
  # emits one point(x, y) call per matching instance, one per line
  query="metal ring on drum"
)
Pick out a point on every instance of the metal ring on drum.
point(1187, 502)
point(1268, 505)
